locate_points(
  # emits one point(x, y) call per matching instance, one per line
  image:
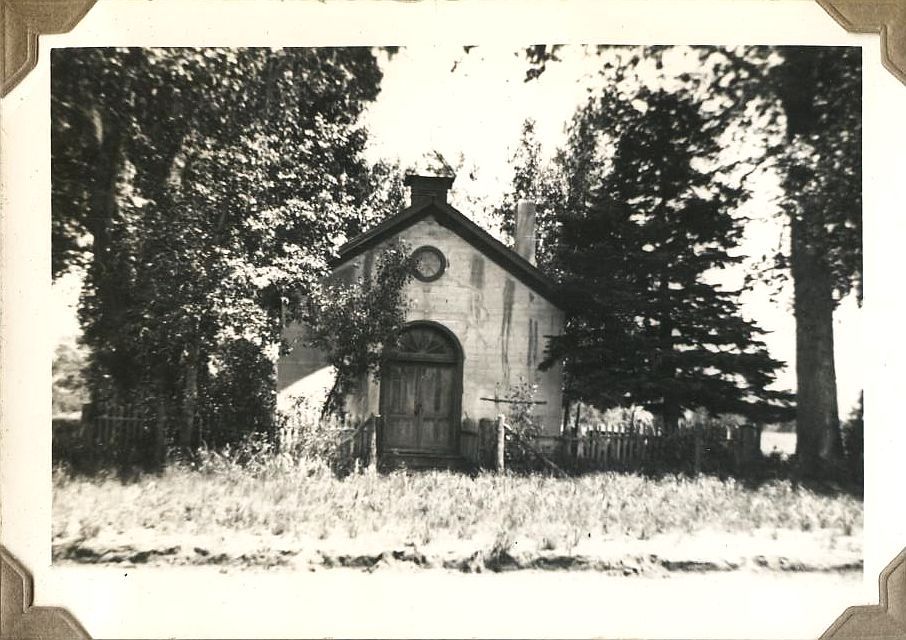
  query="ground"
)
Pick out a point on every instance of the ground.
point(348, 603)
point(290, 514)
point(778, 442)
point(445, 554)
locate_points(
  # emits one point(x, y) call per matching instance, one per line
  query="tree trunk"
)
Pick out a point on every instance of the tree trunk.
point(670, 415)
point(173, 183)
point(817, 423)
point(105, 276)
point(332, 403)
point(818, 442)
point(107, 167)
point(666, 366)
point(189, 399)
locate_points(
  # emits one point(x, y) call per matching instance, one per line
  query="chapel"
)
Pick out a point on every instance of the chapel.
point(479, 320)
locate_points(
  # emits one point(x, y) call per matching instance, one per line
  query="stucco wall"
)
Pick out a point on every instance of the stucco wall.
point(500, 322)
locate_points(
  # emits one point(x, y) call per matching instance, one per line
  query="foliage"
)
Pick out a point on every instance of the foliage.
point(467, 174)
point(525, 428)
point(536, 181)
point(383, 195)
point(201, 187)
point(645, 221)
point(68, 446)
point(820, 90)
point(521, 408)
point(131, 447)
point(583, 417)
point(801, 109)
point(351, 323)
point(854, 442)
point(303, 433)
point(236, 394)
point(633, 418)
point(69, 392)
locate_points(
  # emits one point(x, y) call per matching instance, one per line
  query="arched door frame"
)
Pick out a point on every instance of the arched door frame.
point(393, 356)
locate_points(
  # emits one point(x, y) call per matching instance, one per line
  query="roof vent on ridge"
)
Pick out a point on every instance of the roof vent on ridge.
point(423, 189)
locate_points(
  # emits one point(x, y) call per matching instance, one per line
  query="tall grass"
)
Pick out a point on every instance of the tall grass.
point(277, 493)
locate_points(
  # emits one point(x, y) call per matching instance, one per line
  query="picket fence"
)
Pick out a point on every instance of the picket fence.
point(620, 447)
point(124, 434)
point(132, 435)
point(357, 445)
point(120, 434)
point(612, 447)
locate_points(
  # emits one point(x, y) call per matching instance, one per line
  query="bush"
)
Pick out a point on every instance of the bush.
point(235, 397)
point(302, 434)
point(75, 444)
point(633, 418)
point(852, 434)
point(521, 420)
point(69, 392)
point(68, 445)
point(256, 455)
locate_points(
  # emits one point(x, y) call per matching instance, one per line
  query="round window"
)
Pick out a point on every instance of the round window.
point(428, 263)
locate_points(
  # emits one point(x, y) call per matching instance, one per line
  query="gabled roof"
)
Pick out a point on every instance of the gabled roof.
point(450, 218)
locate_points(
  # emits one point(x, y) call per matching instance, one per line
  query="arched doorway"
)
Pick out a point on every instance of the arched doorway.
point(421, 392)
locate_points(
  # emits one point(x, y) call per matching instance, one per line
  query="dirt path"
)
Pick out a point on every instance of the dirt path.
point(706, 551)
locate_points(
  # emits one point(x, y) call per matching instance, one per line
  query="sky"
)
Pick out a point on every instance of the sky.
point(474, 112)
point(470, 107)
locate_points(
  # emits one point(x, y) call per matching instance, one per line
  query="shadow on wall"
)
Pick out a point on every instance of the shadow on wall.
point(314, 387)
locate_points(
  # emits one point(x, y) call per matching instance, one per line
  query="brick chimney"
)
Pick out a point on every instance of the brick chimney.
point(525, 230)
point(427, 188)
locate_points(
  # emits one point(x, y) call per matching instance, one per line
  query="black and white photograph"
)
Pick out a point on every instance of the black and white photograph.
point(564, 323)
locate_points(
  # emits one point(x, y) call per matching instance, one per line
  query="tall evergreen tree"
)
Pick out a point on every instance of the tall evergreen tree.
point(639, 237)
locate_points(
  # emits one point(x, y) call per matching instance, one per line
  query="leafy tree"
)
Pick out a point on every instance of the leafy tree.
point(820, 91)
point(538, 182)
point(384, 195)
point(351, 323)
point(202, 187)
point(638, 238)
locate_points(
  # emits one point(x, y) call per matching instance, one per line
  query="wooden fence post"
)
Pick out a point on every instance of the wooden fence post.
point(697, 462)
point(739, 443)
point(575, 443)
point(501, 445)
point(160, 433)
point(372, 443)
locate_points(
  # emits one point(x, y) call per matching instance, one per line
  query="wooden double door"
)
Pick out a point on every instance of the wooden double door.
point(421, 394)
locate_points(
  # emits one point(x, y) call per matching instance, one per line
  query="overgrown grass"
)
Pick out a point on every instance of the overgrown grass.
point(279, 495)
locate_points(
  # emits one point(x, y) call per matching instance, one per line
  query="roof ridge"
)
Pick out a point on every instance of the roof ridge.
point(469, 230)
